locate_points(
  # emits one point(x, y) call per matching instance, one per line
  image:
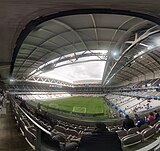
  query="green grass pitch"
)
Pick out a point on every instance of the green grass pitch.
point(79, 104)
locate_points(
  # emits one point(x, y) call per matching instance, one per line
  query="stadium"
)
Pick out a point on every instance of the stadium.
point(67, 67)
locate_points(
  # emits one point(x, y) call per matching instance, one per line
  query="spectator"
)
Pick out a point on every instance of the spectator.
point(156, 115)
point(147, 106)
point(150, 117)
point(23, 105)
point(100, 139)
point(38, 106)
point(139, 121)
point(37, 113)
point(128, 123)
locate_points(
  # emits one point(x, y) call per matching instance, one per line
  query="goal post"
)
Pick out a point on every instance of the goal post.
point(79, 109)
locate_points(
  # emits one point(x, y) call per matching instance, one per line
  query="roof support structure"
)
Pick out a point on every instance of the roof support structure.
point(139, 72)
point(49, 81)
point(122, 77)
point(124, 71)
point(151, 55)
point(109, 70)
point(146, 68)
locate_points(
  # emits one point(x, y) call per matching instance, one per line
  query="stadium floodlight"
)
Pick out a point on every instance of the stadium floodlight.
point(141, 52)
point(11, 80)
point(114, 53)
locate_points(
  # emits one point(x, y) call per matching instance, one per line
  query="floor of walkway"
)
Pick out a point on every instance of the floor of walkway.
point(11, 138)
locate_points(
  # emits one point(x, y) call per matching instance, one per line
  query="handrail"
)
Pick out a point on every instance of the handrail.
point(116, 107)
point(35, 123)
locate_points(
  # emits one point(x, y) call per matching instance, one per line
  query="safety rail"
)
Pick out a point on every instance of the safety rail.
point(38, 127)
point(31, 119)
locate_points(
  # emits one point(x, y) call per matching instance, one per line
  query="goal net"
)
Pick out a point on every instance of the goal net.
point(79, 109)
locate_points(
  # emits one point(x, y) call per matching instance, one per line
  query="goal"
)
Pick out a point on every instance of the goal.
point(79, 109)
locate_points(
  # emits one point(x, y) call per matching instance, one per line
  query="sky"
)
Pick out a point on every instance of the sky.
point(81, 71)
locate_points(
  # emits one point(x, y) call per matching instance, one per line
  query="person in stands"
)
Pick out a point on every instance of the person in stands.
point(150, 118)
point(128, 123)
point(156, 115)
point(98, 140)
point(38, 106)
point(139, 121)
point(23, 104)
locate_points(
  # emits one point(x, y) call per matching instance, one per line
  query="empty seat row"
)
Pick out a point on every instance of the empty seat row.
point(138, 137)
point(26, 126)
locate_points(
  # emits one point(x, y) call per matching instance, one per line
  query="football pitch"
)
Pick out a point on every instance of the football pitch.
point(78, 104)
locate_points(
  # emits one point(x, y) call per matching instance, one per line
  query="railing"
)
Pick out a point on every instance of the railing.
point(116, 107)
point(38, 127)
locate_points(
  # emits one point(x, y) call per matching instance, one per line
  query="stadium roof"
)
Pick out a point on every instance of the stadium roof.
point(42, 35)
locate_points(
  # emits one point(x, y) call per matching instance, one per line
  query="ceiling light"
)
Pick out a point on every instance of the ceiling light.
point(134, 56)
point(114, 53)
point(141, 52)
point(11, 79)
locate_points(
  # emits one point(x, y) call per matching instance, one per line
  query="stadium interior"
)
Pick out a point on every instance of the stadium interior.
point(117, 42)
